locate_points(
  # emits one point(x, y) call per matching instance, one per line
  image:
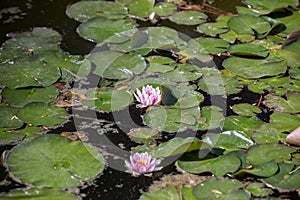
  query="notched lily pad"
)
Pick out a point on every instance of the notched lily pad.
point(188, 17)
point(249, 50)
point(143, 135)
point(245, 109)
point(54, 161)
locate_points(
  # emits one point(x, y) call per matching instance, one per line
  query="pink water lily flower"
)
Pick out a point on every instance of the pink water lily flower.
point(149, 96)
point(142, 163)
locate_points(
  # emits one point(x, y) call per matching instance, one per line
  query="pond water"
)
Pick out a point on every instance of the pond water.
point(22, 15)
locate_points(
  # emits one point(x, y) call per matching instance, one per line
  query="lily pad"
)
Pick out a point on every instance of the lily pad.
point(268, 6)
point(99, 29)
point(42, 114)
point(255, 68)
point(163, 194)
point(188, 17)
point(85, 10)
point(164, 9)
point(249, 50)
point(245, 109)
point(8, 117)
point(54, 161)
point(220, 188)
point(140, 8)
point(290, 105)
point(258, 189)
point(291, 22)
point(266, 169)
point(284, 122)
point(39, 39)
point(28, 71)
point(242, 124)
point(108, 99)
point(213, 29)
point(143, 135)
point(211, 118)
point(21, 97)
point(38, 194)
point(267, 133)
point(10, 137)
point(210, 45)
point(287, 178)
point(263, 153)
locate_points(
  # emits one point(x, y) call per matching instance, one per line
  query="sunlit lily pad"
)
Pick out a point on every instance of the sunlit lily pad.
point(28, 71)
point(287, 177)
point(164, 9)
point(210, 45)
point(242, 124)
point(42, 114)
point(245, 109)
point(143, 135)
point(169, 193)
point(255, 68)
point(38, 194)
point(263, 153)
point(177, 146)
point(188, 17)
point(108, 99)
point(219, 166)
point(27, 43)
point(85, 10)
point(267, 133)
point(213, 29)
point(284, 122)
point(253, 50)
point(289, 105)
point(268, 6)
point(220, 188)
point(54, 161)
point(140, 8)
point(291, 22)
point(21, 97)
point(8, 117)
point(98, 29)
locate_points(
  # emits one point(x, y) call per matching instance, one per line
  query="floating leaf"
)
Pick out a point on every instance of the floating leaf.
point(263, 153)
point(293, 46)
point(85, 10)
point(287, 178)
point(38, 194)
point(213, 29)
point(245, 109)
point(54, 161)
point(279, 104)
point(220, 188)
point(258, 189)
point(242, 124)
point(189, 99)
point(160, 64)
point(164, 9)
point(295, 73)
point(42, 114)
point(255, 68)
point(253, 50)
point(108, 99)
point(268, 6)
point(228, 140)
point(284, 122)
point(21, 97)
point(211, 118)
point(99, 29)
point(267, 133)
point(291, 22)
point(28, 71)
point(210, 45)
point(8, 117)
point(219, 166)
point(266, 169)
point(32, 42)
point(7, 138)
point(140, 8)
point(143, 135)
point(188, 17)
point(177, 146)
point(163, 194)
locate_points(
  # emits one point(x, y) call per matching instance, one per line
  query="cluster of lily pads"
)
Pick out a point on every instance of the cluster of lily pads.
point(258, 58)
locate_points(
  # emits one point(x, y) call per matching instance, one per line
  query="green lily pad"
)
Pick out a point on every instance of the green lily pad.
point(177, 146)
point(290, 57)
point(54, 161)
point(248, 24)
point(210, 45)
point(213, 29)
point(99, 29)
point(160, 64)
point(10, 137)
point(266, 169)
point(245, 109)
point(287, 178)
point(295, 73)
point(219, 166)
point(268, 6)
point(85, 10)
point(21, 97)
point(28, 71)
point(255, 68)
point(140, 8)
point(267, 133)
point(108, 99)
point(169, 193)
point(259, 189)
point(293, 46)
point(188, 17)
point(284, 122)
point(143, 135)
point(32, 42)
point(219, 188)
point(263, 153)
point(189, 99)
point(8, 117)
point(187, 193)
point(253, 50)
point(38, 194)
point(164, 9)
point(242, 124)
point(211, 118)
point(291, 22)
point(42, 114)
point(279, 104)
point(228, 140)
